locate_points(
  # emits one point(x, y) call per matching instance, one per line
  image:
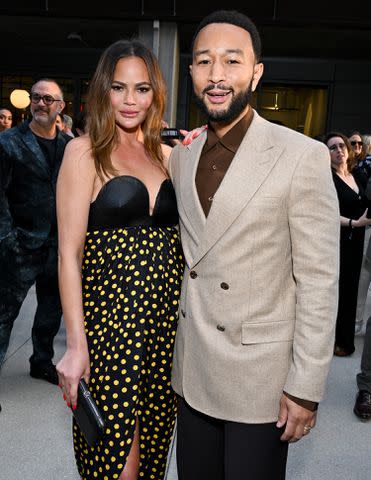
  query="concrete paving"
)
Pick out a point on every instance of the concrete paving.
point(35, 425)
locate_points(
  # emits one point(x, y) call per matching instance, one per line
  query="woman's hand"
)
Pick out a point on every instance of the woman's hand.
point(191, 135)
point(74, 365)
point(362, 221)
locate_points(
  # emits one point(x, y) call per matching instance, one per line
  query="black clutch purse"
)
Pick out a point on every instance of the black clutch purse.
point(87, 415)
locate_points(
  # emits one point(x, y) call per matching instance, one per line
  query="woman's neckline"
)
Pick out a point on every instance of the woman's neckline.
point(140, 182)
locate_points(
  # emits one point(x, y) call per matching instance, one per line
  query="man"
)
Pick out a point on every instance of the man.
point(6, 119)
point(30, 157)
point(67, 125)
point(259, 223)
point(362, 407)
point(59, 122)
point(64, 124)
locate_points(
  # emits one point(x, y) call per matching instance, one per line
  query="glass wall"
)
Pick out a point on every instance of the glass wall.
point(302, 108)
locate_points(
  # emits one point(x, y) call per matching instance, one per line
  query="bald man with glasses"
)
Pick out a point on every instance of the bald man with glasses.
point(30, 157)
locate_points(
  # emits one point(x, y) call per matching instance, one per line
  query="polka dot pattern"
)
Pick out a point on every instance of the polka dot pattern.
point(131, 286)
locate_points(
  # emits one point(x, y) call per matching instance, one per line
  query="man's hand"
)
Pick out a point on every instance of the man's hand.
point(298, 420)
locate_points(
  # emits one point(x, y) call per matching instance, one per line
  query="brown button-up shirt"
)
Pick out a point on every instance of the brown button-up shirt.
point(215, 159)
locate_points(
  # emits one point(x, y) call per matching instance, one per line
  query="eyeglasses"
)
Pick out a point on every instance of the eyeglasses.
point(335, 146)
point(354, 143)
point(47, 99)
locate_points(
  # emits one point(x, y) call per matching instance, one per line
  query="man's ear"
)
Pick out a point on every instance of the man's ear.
point(258, 72)
point(61, 106)
point(190, 70)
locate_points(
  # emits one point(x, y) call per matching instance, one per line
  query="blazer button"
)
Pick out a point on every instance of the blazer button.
point(193, 274)
point(221, 328)
point(224, 286)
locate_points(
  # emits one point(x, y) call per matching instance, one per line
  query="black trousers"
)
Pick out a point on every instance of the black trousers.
point(212, 449)
point(19, 270)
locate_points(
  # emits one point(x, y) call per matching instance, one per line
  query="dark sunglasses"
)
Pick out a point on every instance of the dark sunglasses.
point(47, 99)
point(354, 143)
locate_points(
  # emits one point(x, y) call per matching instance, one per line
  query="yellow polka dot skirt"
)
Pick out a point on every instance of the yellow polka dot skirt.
point(131, 287)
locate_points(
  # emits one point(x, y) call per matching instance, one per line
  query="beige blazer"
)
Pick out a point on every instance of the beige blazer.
point(259, 295)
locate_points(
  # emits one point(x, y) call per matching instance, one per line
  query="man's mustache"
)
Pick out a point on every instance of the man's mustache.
point(216, 87)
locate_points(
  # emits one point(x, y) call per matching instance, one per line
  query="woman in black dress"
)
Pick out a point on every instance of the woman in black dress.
point(350, 186)
point(120, 268)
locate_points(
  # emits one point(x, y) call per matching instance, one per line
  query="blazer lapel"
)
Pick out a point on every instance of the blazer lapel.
point(188, 192)
point(251, 165)
point(38, 156)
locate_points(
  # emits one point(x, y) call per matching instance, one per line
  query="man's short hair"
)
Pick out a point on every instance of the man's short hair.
point(233, 18)
point(51, 80)
point(67, 120)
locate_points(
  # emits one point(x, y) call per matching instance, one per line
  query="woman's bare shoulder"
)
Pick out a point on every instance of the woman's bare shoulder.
point(78, 152)
point(79, 144)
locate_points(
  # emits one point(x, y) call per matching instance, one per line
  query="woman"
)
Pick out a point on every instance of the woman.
point(117, 221)
point(350, 185)
point(356, 142)
point(359, 150)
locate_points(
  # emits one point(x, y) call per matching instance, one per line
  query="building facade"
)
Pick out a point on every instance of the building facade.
point(317, 62)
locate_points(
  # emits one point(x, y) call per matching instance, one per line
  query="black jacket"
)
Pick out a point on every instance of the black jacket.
point(27, 189)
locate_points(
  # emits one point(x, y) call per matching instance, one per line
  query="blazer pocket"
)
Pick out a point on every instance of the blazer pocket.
point(266, 201)
point(267, 332)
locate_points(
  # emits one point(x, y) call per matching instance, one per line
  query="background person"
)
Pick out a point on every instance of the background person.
point(350, 186)
point(365, 275)
point(59, 122)
point(356, 142)
point(117, 220)
point(362, 406)
point(67, 125)
point(260, 232)
point(30, 157)
point(364, 158)
point(6, 119)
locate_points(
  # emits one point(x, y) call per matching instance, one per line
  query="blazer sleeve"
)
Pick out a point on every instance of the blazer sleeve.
point(314, 223)
point(173, 163)
point(6, 221)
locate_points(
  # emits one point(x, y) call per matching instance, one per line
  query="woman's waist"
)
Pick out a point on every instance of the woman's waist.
point(127, 229)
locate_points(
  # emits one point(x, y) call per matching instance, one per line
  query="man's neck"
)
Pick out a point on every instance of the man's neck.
point(41, 131)
point(221, 129)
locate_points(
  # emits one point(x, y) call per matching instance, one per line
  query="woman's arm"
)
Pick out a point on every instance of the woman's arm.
point(355, 222)
point(74, 193)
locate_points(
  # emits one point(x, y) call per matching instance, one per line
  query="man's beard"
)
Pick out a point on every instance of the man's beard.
point(237, 106)
point(44, 120)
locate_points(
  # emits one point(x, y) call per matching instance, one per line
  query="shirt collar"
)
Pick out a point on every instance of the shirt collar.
point(233, 138)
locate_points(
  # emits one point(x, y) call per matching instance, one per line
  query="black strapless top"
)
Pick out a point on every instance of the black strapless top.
point(124, 202)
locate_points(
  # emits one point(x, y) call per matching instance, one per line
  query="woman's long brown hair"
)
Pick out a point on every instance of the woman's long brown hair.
point(101, 124)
